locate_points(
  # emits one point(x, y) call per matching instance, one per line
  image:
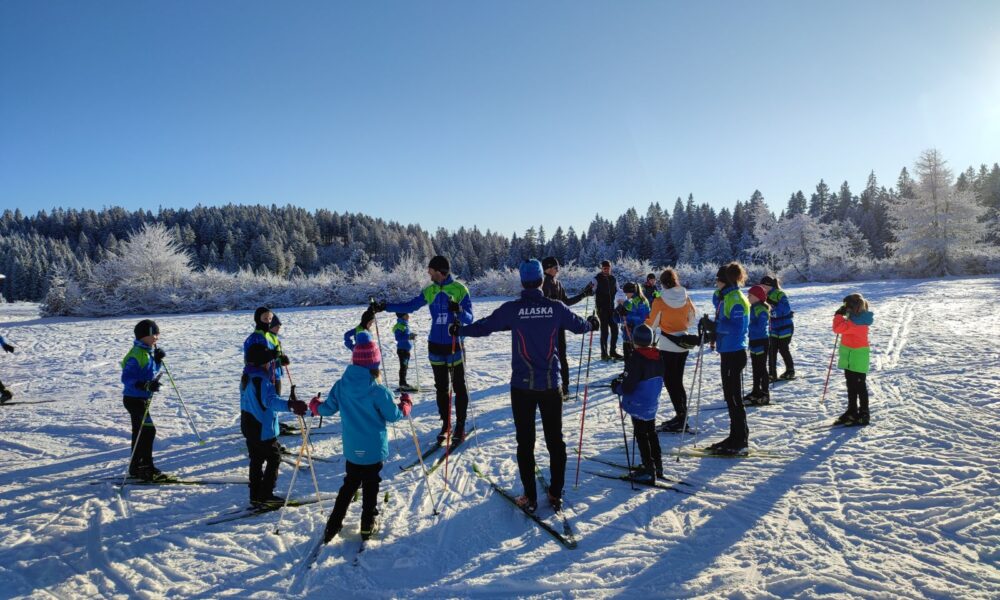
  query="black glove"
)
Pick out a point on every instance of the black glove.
point(150, 386)
point(412, 336)
point(454, 306)
point(298, 407)
point(377, 306)
point(595, 323)
point(842, 310)
point(8, 348)
point(283, 359)
point(617, 381)
point(706, 325)
point(621, 310)
point(453, 329)
point(158, 355)
point(589, 290)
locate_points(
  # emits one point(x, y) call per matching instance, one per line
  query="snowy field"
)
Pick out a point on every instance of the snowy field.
point(907, 507)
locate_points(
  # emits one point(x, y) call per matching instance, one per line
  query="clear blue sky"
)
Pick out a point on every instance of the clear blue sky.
point(495, 114)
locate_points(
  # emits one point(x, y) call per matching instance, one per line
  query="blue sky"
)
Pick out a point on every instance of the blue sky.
point(500, 115)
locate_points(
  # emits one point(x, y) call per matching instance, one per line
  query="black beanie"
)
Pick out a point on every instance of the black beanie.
point(768, 280)
point(440, 264)
point(549, 261)
point(275, 321)
point(146, 327)
point(256, 317)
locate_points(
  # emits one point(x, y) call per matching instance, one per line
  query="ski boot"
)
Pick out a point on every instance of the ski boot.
point(848, 419)
point(443, 434)
point(644, 474)
point(863, 418)
point(787, 375)
point(718, 445)
point(526, 504)
point(554, 501)
point(772, 377)
point(368, 525)
point(747, 398)
point(458, 436)
point(5, 395)
point(671, 425)
point(732, 448)
point(405, 387)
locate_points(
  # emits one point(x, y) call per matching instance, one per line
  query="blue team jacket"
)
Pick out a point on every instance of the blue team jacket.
point(534, 322)
point(401, 330)
point(640, 390)
point(781, 314)
point(138, 367)
point(732, 320)
point(260, 399)
point(758, 329)
point(258, 337)
point(365, 406)
point(436, 297)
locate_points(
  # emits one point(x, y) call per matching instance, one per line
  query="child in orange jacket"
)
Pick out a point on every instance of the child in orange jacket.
point(852, 321)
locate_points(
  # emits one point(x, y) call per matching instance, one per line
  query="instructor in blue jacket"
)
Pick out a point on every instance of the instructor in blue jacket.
point(534, 322)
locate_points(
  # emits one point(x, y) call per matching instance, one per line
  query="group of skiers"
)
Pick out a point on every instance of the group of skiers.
point(657, 324)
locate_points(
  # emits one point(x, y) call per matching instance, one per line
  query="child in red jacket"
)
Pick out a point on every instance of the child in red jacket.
point(852, 321)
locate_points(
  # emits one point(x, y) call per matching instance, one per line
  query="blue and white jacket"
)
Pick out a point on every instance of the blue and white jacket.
point(138, 367)
point(640, 390)
point(534, 322)
point(365, 406)
point(260, 399)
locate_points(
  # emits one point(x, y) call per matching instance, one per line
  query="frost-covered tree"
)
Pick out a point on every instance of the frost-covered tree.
point(805, 248)
point(717, 249)
point(939, 226)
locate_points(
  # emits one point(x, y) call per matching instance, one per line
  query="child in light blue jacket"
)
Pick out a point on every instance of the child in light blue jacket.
point(365, 406)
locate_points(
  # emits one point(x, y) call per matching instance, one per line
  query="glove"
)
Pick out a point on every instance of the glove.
point(314, 405)
point(706, 325)
point(617, 382)
point(292, 396)
point(283, 359)
point(151, 386)
point(8, 348)
point(595, 323)
point(405, 405)
point(412, 336)
point(589, 290)
point(377, 306)
point(158, 355)
point(298, 407)
point(454, 306)
point(453, 329)
point(621, 310)
point(842, 310)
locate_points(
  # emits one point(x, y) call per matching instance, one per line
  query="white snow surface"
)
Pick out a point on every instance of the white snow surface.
point(907, 507)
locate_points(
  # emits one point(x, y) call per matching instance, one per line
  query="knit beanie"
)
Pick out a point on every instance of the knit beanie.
point(440, 264)
point(642, 336)
point(769, 281)
point(550, 261)
point(759, 292)
point(145, 327)
point(531, 271)
point(258, 324)
point(366, 353)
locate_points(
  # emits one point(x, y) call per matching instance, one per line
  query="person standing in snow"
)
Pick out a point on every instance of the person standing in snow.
point(552, 288)
point(404, 343)
point(782, 327)
point(365, 406)
point(5, 394)
point(852, 321)
point(367, 320)
point(534, 322)
point(758, 333)
point(633, 311)
point(639, 389)
point(671, 316)
point(259, 407)
point(262, 318)
point(729, 332)
point(650, 290)
point(448, 301)
point(605, 291)
point(273, 330)
point(140, 378)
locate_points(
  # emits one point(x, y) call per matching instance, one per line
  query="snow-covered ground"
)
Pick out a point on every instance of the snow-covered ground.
point(907, 507)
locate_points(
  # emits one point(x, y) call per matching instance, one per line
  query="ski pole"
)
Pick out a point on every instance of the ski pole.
point(628, 459)
point(135, 446)
point(295, 473)
point(471, 408)
point(836, 343)
point(579, 363)
point(420, 455)
point(451, 387)
point(687, 400)
point(583, 413)
point(701, 372)
point(183, 405)
point(381, 367)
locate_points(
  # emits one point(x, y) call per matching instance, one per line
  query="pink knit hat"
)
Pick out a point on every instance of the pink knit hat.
point(366, 353)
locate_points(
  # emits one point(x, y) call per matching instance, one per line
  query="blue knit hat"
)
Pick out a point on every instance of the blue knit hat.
point(531, 271)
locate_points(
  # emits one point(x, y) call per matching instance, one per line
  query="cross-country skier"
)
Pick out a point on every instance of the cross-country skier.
point(671, 316)
point(552, 288)
point(760, 316)
point(729, 331)
point(273, 330)
point(782, 328)
point(852, 321)
point(404, 343)
point(259, 407)
point(534, 322)
point(449, 302)
point(635, 309)
point(140, 370)
point(639, 387)
point(262, 318)
point(365, 406)
point(367, 320)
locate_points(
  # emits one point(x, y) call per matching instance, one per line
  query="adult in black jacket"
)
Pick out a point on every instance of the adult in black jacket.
point(605, 290)
point(551, 288)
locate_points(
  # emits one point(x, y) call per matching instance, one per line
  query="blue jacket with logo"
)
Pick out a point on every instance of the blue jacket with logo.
point(637, 310)
point(534, 322)
point(436, 297)
point(782, 325)
point(640, 390)
point(758, 327)
point(401, 331)
point(138, 367)
point(365, 406)
point(732, 320)
point(258, 337)
point(259, 398)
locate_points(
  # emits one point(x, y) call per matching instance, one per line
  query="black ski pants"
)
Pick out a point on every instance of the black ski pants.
point(776, 346)
point(857, 392)
point(143, 432)
point(549, 403)
point(673, 380)
point(366, 477)
point(733, 364)
point(441, 391)
point(265, 456)
point(648, 443)
point(761, 383)
point(404, 364)
point(608, 326)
